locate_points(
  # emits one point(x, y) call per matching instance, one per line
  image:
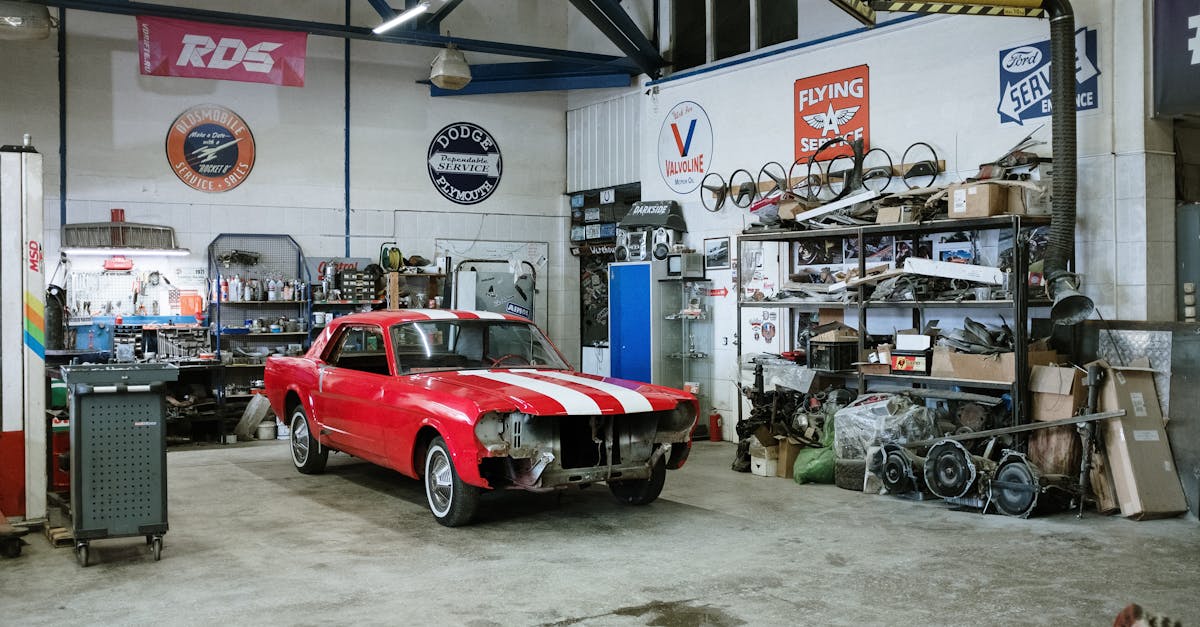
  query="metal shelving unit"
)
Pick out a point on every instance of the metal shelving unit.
point(1018, 305)
point(276, 256)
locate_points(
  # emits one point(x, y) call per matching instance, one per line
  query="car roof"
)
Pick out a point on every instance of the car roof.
point(389, 317)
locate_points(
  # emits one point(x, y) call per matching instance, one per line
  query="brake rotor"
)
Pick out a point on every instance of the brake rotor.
point(949, 470)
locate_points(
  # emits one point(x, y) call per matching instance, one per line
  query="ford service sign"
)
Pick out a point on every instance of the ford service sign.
point(1025, 79)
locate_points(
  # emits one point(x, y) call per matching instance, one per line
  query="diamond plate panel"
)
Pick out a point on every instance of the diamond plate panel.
point(1122, 347)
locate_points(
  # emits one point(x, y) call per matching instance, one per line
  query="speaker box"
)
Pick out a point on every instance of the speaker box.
point(664, 239)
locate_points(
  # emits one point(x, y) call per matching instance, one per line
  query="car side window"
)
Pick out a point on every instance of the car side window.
point(360, 348)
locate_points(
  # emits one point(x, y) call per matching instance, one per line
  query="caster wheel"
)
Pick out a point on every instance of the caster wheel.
point(81, 554)
point(149, 539)
point(156, 548)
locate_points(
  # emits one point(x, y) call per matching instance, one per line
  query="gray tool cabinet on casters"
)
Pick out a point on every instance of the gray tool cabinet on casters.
point(118, 453)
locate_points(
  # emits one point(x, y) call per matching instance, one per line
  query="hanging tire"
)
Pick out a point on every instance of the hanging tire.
point(848, 474)
point(308, 456)
point(641, 491)
point(452, 502)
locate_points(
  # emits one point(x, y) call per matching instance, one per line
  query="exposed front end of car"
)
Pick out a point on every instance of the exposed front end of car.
point(540, 453)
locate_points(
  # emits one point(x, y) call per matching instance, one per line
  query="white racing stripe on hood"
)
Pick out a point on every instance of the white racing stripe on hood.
point(573, 402)
point(489, 315)
point(633, 401)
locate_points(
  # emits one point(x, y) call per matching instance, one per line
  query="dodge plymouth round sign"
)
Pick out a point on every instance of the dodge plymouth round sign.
point(464, 163)
point(210, 148)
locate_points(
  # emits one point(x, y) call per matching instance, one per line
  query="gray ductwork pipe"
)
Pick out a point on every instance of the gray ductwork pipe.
point(1069, 305)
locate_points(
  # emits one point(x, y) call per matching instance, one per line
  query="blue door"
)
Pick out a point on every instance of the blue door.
point(629, 321)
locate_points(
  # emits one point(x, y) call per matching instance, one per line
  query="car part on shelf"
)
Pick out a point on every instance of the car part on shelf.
point(901, 471)
point(778, 178)
point(745, 192)
point(802, 187)
point(876, 174)
point(916, 171)
point(1019, 488)
point(952, 472)
point(717, 192)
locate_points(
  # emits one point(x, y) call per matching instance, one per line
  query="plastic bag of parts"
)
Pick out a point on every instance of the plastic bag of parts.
point(814, 465)
point(785, 373)
point(878, 419)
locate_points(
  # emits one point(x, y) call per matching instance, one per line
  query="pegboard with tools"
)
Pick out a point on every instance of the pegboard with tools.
point(132, 292)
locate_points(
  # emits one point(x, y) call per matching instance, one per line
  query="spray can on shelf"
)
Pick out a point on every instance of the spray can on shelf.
point(224, 289)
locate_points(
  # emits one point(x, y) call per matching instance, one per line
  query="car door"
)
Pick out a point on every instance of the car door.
point(352, 387)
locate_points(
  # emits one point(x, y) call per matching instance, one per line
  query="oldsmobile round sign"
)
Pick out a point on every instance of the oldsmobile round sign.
point(210, 148)
point(464, 163)
point(685, 145)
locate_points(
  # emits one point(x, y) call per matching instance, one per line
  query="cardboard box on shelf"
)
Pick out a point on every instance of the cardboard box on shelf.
point(999, 368)
point(1057, 392)
point(977, 200)
point(788, 450)
point(896, 215)
point(1143, 471)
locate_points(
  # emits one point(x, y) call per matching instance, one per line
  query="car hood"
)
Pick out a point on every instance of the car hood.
point(558, 392)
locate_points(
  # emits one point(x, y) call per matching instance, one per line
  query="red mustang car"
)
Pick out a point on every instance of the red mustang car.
point(472, 400)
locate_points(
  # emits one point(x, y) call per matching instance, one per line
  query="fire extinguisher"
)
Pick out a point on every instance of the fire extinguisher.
point(714, 427)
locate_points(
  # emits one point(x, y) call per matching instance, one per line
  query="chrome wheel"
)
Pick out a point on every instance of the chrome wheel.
point(452, 501)
point(300, 439)
point(308, 454)
point(439, 482)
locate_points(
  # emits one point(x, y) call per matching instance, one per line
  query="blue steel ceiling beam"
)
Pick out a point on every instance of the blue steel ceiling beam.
point(615, 23)
point(412, 38)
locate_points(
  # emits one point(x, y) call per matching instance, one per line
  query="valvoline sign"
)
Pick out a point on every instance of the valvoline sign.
point(685, 147)
point(1025, 79)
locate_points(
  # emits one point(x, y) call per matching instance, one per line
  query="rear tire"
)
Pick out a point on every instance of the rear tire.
point(308, 455)
point(452, 502)
point(641, 491)
point(848, 474)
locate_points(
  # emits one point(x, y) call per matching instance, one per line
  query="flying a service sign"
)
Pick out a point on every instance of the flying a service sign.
point(210, 148)
point(831, 105)
point(685, 145)
point(1025, 79)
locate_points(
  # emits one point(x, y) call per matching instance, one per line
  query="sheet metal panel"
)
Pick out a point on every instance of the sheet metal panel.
point(604, 144)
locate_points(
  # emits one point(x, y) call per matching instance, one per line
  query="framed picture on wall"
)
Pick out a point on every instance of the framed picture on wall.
point(716, 253)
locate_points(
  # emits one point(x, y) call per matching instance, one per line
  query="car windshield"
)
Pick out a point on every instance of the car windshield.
point(471, 344)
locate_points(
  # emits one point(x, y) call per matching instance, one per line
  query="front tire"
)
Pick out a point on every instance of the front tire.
point(641, 491)
point(308, 455)
point(452, 502)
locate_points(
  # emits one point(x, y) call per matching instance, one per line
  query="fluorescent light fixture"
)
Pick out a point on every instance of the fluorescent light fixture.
point(23, 21)
point(106, 251)
point(401, 18)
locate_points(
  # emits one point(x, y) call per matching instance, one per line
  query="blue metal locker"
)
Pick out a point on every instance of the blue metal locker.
point(630, 322)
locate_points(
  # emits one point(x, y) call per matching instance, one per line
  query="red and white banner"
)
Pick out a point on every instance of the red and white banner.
point(170, 47)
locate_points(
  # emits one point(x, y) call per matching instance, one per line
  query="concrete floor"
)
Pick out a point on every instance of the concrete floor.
point(254, 542)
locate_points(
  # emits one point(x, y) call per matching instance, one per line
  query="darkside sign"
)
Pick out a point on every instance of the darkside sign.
point(1176, 57)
